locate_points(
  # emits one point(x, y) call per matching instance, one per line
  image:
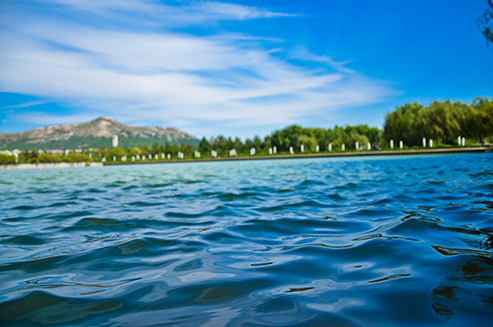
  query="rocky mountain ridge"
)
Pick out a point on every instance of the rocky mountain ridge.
point(93, 134)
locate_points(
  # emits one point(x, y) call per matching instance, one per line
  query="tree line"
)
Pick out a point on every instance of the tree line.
point(295, 136)
point(442, 121)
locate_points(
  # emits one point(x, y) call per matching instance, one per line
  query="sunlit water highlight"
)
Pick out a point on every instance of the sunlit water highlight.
point(306, 242)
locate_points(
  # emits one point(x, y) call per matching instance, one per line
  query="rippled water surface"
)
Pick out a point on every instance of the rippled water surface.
point(305, 242)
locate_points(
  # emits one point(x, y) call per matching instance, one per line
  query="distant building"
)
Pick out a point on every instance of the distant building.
point(115, 141)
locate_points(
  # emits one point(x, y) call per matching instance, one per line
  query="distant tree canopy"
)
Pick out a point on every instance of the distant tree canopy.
point(443, 121)
point(485, 23)
point(295, 136)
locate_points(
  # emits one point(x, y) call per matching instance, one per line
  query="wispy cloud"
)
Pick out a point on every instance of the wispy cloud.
point(166, 77)
point(44, 119)
point(189, 13)
point(25, 104)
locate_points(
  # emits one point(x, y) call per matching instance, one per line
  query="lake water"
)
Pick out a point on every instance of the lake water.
point(305, 242)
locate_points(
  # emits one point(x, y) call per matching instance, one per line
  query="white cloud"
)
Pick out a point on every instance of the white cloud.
point(191, 13)
point(43, 119)
point(25, 104)
point(169, 77)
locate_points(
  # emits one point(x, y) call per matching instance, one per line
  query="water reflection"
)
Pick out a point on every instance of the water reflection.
point(471, 288)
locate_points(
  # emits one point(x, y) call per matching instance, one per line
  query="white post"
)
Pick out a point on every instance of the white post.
point(463, 141)
point(459, 140)
point(156, 157)
point(162, 155)
point(401, 145)
point(391, 144)
point(302, 148)
point(150, 156)
point(343, 147)
point(369, 146)
point(133, 158)
point(424, 142)
point(317, 148)
point(357, 145)
point(103, 160)
point(169, 156)
point(252, 151)
point(90, 155)
point(431, 143)
point(275, 149)
point(330, 146)
point(114, 158)
point(138, 156)
point(291, 150)
point(270, 150)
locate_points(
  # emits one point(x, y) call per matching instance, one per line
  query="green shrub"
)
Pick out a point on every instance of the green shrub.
point(48, 158)
point(6, 159)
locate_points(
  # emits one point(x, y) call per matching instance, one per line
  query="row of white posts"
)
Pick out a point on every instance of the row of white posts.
point(401, 144)
point(460, 141)
point(273, 150)
point(317, 148)
point(143, 158)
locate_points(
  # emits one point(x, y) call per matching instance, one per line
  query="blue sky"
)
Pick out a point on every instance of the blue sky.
point(236, 68)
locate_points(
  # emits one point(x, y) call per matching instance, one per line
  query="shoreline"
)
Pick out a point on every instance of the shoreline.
point(263, 157)
point(57, 165)
point(316, 155)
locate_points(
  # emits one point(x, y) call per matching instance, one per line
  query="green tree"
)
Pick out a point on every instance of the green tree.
point(116, 152)
point(267, 143)
point(248, 146)
point(309, 143)
point(238, 145)
point(257, 143)
point(485, 21)
point(204, 146)
point(7, 159)
point(102, 152)
point(31, 156)
point(145, 150)
point(280, 140)
point(479, 119)
point(155, 148)
point(48, 158)
point(76, 157)
point(230, 144)
point(174, 149)
point(408, 123)
point(188, 150)
point(443, 123)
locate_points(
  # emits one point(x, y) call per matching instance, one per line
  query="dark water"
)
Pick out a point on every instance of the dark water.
point(319, 242)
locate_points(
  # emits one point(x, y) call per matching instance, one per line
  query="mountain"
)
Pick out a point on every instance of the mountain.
point(93, 134)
